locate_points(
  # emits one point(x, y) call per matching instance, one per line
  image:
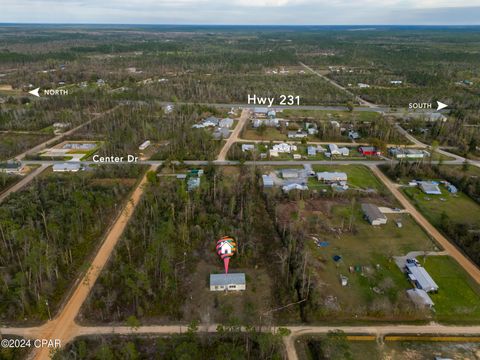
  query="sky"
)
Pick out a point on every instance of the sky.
point(244, 12)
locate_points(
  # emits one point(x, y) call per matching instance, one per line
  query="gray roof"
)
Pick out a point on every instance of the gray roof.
point(430, 188)
point(227, 279)
point(67, 166)
point(332, 176)
point(424, 280)
point(372, 212)
point(420, 297)
point(267, 180)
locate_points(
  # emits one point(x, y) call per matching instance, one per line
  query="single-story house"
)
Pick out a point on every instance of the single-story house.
point(221, 133)
point(311, 150)
point(396, 82)
point(373, 214)
point(401, 153)
point(248, 147)
point(430, 188)
point(354, 135)
point(297, 134)
point(267, 181)
point(284, 148)
point(226, 123)
point(227, 282)
point(193, 183)
point(330, 177)
point(420, 298)
point(11, 167)
point(294, 186)
point(363, 86)
point(421, 277)
point(290, 173)
point(368, 150)
point(335, 150)
point(67, 167)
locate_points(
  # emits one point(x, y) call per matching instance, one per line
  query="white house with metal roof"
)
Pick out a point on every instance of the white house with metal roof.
point(228, 282)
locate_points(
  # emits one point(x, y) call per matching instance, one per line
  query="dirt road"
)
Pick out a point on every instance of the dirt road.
point(22, 183)
point(451, 249)
point(63, 326)
point(234, 135)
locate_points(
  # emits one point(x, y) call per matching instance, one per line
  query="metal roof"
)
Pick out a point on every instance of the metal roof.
point(227, 279)
point(424, 280)
point(372, 212)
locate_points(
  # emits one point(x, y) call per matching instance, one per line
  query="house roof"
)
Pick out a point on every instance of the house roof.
point(420, 297)
point(332, 176)
point(372, 212)
point(66, 167)
point(430, 188)
point(227, 279)
point(267, 180)
point(423, 278)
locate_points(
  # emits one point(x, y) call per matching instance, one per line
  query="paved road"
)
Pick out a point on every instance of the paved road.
point(451, 249)
point(63, 326)
point(234, 135)
point(25, 181)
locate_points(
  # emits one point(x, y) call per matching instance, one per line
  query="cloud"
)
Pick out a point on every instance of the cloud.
point(287, 12)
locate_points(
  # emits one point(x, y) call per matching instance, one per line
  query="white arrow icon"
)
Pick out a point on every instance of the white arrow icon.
point(35, 92)
point(441, 105)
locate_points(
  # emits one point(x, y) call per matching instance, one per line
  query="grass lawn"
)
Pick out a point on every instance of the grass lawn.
point(459, 207)
point(359, 176)
point(458, 298)
point(376, 289)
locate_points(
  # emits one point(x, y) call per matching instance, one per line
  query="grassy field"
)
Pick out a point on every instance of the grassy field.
point(458, 298)
point(376, 287)
point(459, 207)
point(358, 176)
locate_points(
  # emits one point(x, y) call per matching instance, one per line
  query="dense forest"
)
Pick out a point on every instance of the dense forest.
point(173, 232)
point(47, 232)
point(124, 129)
point(227, 344)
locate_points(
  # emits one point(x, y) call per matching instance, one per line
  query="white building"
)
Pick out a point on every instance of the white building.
point(329, 177)
point(373, 214)
point(284, 148)
point(226, 123)
point(67, 167)
point(335, 150)
point(144, 145)
point(227, 282)
point(248, 147)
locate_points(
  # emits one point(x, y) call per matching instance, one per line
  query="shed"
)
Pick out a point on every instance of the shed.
point(420, 298)
point(267, 181)
point(227, 282)
point(373, 214)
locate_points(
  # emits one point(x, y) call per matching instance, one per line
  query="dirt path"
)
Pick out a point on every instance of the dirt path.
point(63, 326)
point(451, 249)
point(234, 135)
point(22, 183)
point(338, 86)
